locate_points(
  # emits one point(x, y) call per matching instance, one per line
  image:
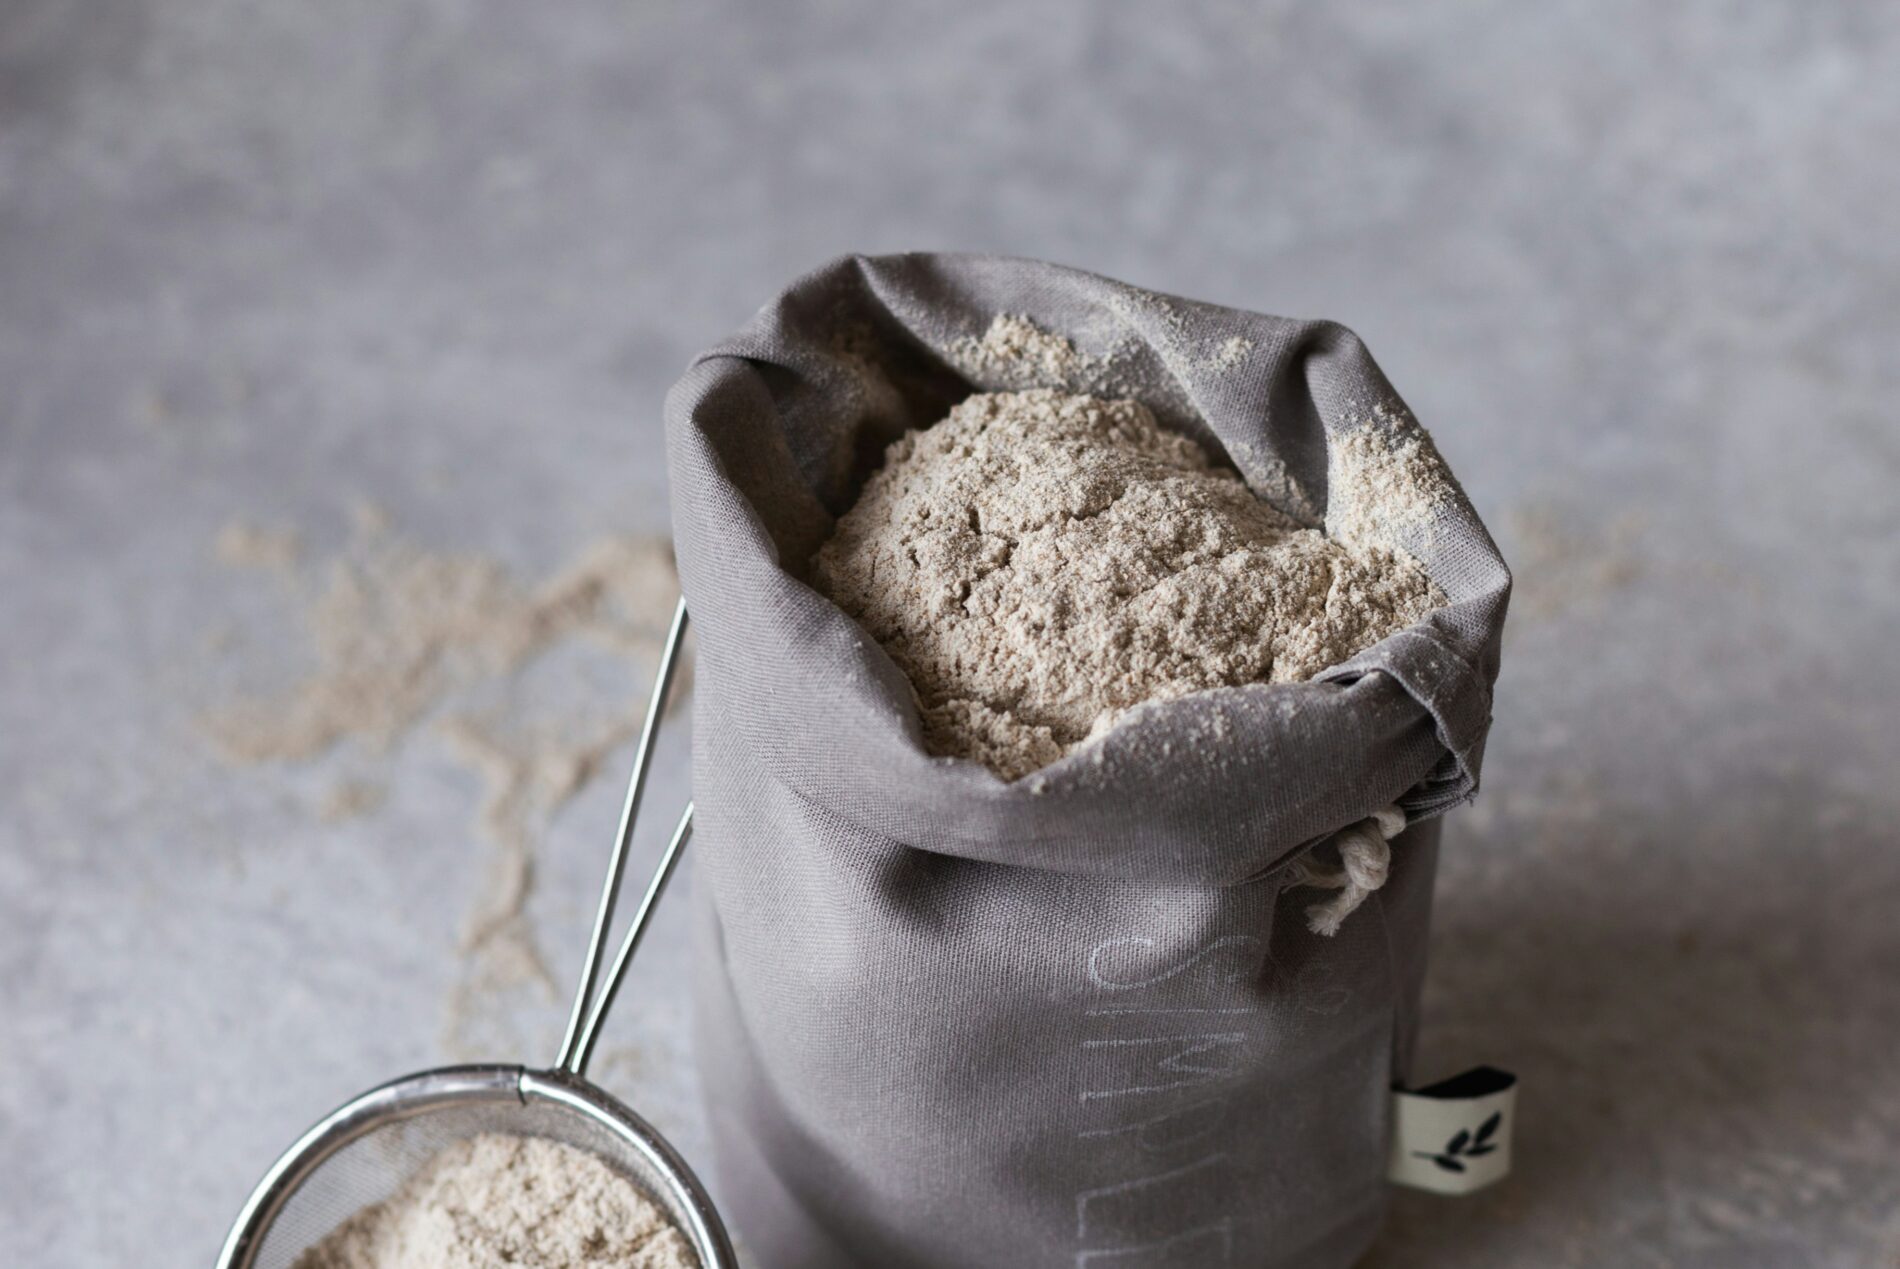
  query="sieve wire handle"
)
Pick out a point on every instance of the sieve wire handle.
point(583, 1023)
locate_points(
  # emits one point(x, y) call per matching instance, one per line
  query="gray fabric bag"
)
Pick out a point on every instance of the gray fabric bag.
point(1073, 1021)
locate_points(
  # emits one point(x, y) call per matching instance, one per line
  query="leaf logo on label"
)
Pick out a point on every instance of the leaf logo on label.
point(1465, 1143)
point(1454, 1137)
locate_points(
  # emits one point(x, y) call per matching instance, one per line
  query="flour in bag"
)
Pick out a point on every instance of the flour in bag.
point(1041, 562)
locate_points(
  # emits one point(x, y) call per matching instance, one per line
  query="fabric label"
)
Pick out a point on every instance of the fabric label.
point(1454, 1136)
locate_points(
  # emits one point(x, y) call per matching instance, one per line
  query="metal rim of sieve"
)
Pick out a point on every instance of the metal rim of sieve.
point(563, 1088)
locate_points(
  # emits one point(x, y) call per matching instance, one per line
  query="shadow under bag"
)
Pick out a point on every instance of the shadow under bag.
point(1078, 1020)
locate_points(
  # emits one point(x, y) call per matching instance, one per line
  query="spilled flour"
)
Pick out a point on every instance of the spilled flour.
point(1039, 563)
point(505, 1200)
point(351, 799)
point(1570, 561)
point(396, 628)
point(528, 774)
point(401, 636)
point(242, 544)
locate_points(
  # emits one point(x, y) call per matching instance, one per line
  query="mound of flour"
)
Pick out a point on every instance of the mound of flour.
point(504, 1200)
point(1039, 563)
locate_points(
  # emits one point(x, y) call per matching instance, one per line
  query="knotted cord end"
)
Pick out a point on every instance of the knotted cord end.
point(1365, 859)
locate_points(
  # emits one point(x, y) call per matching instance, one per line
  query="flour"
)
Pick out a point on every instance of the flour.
point(527, 774)
point(1232, 353)
point(242, 544)
point(505, 1200)
point(1143, 343)
point(348, 799)
point(401, 635)
point(1040, 563)
point(1569, 561)
point(1013, 348)
point(396, 628)
point(1386, 484)
point(1014, 353)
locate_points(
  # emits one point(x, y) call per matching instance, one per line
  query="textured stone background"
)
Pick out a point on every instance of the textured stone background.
point(1638, 265)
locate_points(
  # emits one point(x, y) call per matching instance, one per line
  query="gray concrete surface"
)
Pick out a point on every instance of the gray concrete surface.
point(1637, 265)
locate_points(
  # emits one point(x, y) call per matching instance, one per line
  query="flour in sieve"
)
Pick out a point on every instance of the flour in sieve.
point(498, 1199)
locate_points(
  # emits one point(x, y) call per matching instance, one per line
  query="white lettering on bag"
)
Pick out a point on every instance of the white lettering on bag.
point(1152, 1103)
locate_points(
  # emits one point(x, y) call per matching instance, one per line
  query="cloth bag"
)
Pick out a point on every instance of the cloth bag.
point(1080, 1019)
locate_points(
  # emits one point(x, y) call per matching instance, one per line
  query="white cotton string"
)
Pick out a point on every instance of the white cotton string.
point(1365, 860)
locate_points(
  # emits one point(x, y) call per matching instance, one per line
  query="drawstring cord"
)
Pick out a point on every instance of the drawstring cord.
point(1365, 858)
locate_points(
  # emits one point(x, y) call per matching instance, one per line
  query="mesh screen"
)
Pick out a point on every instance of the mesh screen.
point(372, 1167)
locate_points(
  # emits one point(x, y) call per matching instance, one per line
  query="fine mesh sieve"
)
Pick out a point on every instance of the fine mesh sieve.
point(362, 1152)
